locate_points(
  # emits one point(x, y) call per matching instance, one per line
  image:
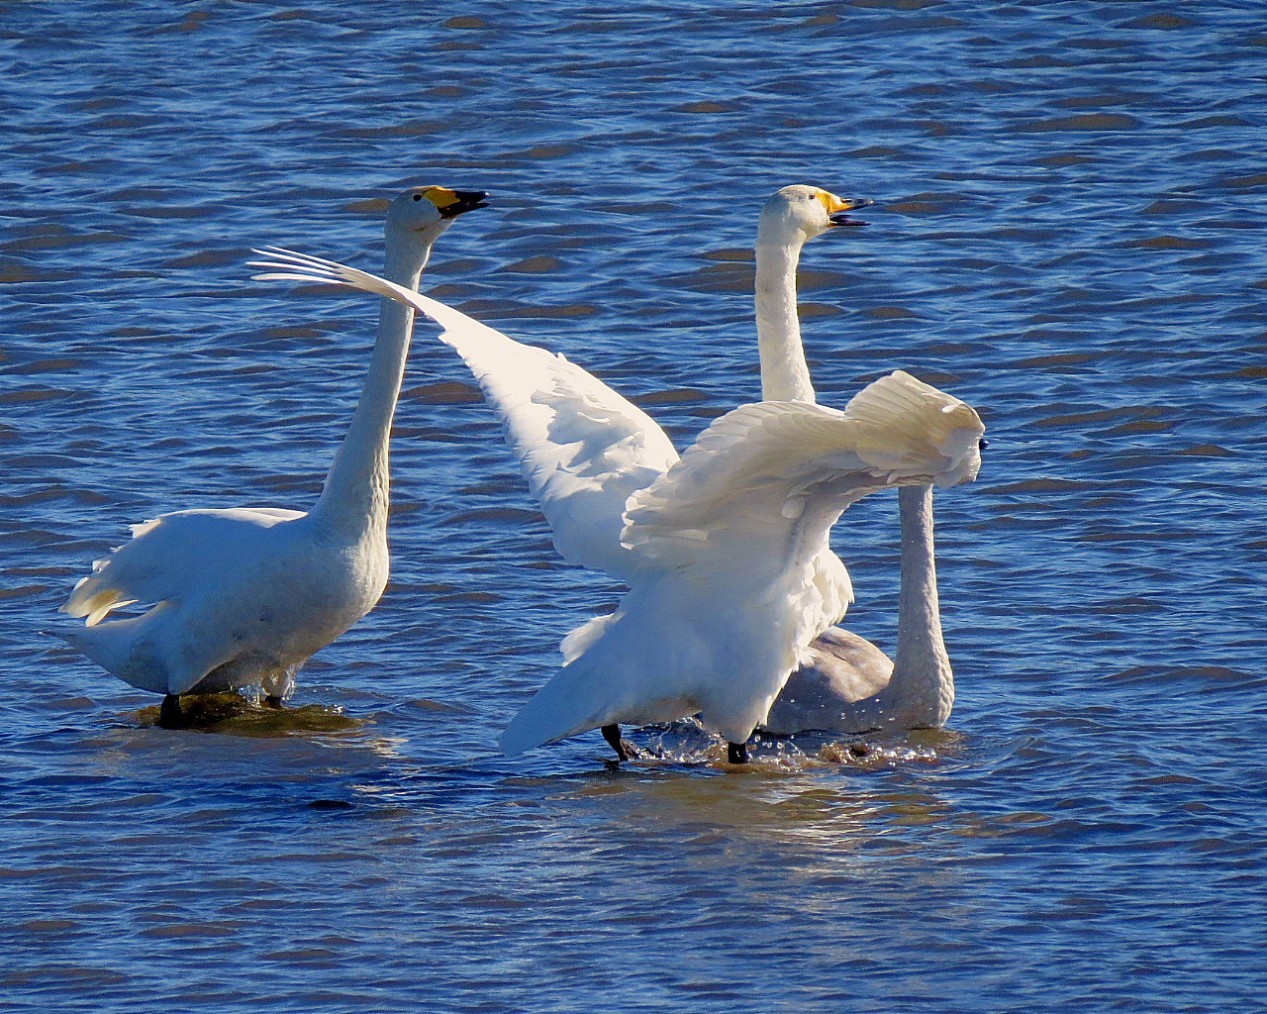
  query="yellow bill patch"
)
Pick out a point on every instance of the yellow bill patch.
point(835, 204)
point(441, 197)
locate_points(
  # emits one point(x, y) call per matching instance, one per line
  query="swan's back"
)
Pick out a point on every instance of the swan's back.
point(171, 557)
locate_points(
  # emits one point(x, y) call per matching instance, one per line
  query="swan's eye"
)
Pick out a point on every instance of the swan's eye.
point(982, 444)
point(417, 197)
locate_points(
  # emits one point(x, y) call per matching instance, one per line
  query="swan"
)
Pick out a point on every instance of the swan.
point(848, 684)
point(243, 596)
point(724, 550)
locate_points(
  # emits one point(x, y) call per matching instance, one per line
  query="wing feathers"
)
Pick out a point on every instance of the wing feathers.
point(582, 447)
point(903, 421)
point(744, 471)
point(167, 555)
point(752, 467)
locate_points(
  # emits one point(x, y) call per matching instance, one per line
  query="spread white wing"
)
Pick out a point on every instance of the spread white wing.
point(583, 448)
point(748, 480)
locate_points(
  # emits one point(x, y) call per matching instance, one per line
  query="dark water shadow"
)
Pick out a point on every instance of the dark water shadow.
point(233, 714)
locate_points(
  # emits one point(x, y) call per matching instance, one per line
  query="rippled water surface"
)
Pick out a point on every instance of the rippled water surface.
point(1071, 237)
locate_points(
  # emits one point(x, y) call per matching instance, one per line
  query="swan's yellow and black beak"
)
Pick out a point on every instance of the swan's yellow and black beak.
point(838, 208)
point(451, 203)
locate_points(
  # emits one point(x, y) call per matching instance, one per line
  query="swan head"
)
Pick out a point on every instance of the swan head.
point(798, 213)
point(423, 213)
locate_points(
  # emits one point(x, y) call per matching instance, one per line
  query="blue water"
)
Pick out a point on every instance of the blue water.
point(1070, 237)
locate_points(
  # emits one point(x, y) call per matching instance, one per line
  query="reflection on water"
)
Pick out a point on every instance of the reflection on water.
point(1069, 237)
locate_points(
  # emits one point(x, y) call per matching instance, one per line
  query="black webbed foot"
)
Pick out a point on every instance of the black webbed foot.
point(624, 749)
point(170, 715)
point(737, 753)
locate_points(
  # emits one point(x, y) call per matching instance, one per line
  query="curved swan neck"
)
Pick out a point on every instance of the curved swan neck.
point(922, 678)
point(784, 372)
point(355, 494)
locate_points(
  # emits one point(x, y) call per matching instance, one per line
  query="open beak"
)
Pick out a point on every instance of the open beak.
point(838, 209)
point(462, 201)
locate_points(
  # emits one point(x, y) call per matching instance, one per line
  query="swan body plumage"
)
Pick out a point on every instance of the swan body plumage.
point(723, 550)
point(243, 596)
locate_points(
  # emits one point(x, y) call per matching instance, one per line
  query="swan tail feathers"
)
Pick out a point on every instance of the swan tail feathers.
point(585, 694)
point(566, 706)
point(107, 644)
point(145, 652)
point(125, 648)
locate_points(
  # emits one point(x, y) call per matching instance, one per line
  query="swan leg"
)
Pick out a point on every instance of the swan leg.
point(624, 749)
point(170, 715)
point(737, 753)
point(274, 702)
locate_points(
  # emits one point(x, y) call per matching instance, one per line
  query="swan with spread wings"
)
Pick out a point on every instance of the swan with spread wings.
point(725, 550)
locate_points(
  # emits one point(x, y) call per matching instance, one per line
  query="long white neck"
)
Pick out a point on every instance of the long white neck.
point(355, 496)
point(784, 372)
point(922, 687)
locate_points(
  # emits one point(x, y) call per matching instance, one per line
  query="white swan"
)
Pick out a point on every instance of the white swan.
point(724, 550)
point(849, 685)
point(243, 596)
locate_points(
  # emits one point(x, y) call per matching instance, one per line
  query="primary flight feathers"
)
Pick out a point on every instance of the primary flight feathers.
point(582, 447)
point(751, 471)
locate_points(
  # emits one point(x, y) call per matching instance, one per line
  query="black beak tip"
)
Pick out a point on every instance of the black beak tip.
point(841, 218)
point(467, 200)
point(982, 444)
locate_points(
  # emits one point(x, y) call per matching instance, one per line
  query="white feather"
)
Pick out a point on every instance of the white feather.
point(582, 447)
point(729, 592)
